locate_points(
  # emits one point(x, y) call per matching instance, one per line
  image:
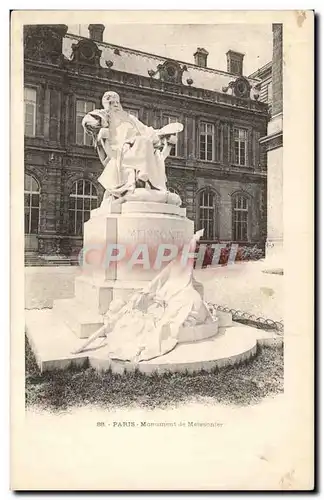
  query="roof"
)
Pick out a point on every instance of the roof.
point(259, 73)
point(139, 63)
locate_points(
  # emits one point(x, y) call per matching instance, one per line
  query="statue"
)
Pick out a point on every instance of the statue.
point(132, 154)
point(147, 325)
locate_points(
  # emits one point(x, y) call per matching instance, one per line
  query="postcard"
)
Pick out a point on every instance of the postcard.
point(162, 330)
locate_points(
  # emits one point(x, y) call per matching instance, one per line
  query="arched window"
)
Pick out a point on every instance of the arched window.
point(83, 199)
point(240, 214)
point(207, 213)
point(32, 197)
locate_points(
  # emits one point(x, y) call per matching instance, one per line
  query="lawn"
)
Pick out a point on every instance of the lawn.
point(245, 384)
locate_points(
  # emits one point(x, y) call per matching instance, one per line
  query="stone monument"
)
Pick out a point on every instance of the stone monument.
point(136, 302)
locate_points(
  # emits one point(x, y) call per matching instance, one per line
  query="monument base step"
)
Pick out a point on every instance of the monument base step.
point(81, 320)
point(53, 341)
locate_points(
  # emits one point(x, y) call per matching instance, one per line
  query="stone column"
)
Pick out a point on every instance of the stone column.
point(273, 145)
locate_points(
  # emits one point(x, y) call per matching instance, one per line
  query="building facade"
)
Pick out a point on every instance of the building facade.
point(217, 167)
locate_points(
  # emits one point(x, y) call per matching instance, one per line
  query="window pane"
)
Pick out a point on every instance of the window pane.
point(34, 185)
point(80, 106)
point(34, 220)
point(133, 112)
point(87, 139)
point(240, 218)
point(29, 130)
point(35, 200)
point(90, 106)
point(87, 186)
point(202, 147)
point(86, 215)
point(79, 130)
point(26, 221)
point(94, 203)
point(83, 198)
point(27, 182)
point(93, 190)
point(79, 223)
point(72, 203)
point(29, 94)
point(236, 150)
point(210, 128)
point(86, 203)
point(80, 187)
point(242, 134)
point(27, 200)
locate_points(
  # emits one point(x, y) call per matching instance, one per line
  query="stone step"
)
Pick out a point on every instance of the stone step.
point(82, 321)
point(53, 342)
point(96, 295)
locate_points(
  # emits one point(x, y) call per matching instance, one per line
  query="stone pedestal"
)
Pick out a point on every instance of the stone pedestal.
point(135, 232)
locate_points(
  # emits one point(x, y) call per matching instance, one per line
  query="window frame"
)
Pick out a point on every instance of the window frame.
point(78, 114)
point(32, 193)
point(209, 208)
point(239, 141)
point(130, 110)
point(174, 119)
point(73, 194)
point(240, 210)
point(206, 123)
point(34, 103)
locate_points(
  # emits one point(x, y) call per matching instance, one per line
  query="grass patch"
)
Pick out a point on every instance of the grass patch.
point(245, 384)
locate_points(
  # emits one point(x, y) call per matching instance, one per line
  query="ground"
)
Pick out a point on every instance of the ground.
point(242, 385)
point(240, 286)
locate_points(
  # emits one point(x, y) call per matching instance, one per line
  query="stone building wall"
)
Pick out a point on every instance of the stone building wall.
point(56, 161)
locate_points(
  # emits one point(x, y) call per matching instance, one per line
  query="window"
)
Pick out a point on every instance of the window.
point(166, 120)
point(240, 218)
point(235, 67)
point(82, 108)
point(83, 199)
point(240, 146)
point(207, 213)
point(32, 195)
point(131, 111)
point(30, 111)
point(206, 143)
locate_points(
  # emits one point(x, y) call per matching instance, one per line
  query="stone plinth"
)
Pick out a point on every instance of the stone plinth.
point(53, 341)
point(138, 229)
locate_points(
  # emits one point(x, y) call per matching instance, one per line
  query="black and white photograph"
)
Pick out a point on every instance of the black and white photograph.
point(152, 169)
